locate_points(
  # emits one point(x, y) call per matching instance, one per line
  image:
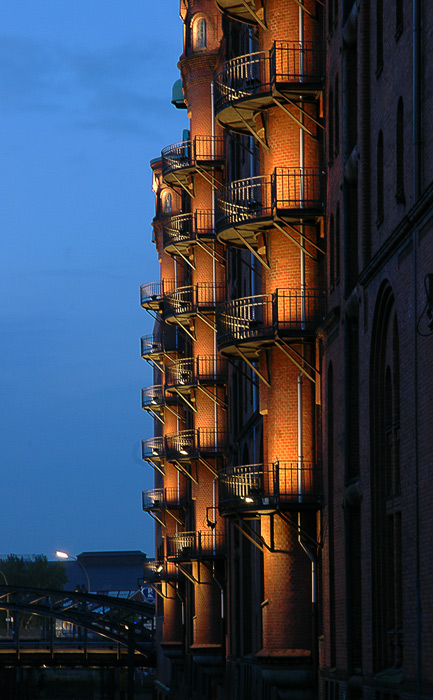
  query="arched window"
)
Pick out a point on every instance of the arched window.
point(399, 148)
point(379, 175)
point(168, 203)
point(379, 36)
point(331, 252)
point(337, 118)
point(331, 126)
point(200, 34)
point(385, 485)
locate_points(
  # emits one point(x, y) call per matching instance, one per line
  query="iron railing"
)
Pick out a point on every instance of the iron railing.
point(168, 497)
point(189, 154)
point(152, 448)
point(253, 75)
point(152, 292)
point(195, 545)
point(204, 369)
point(259, 197)
point(190, 444)
point(193, 298)
point(155, 571)
point(156, 344)
point(152, 396)
point(263, 315)
point(261, 486)
point(188, 227)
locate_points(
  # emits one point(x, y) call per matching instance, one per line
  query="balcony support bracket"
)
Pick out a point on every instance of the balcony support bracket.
point(251, 535)
point(248, 361)
point(208, 465)
point(299, 530)
point(158, 592)
point(293, 355)
point(178, 520)
point(207, 249)
point(219, 402)
point(155, 466)
point(180, 468)
point(156, 518)
point(253, 13)
point(264, 262)
point(155, 414)
point(188, 403)
point(301, 110)
point(188, 190)
point(304, 238)
point(186, 330)
point(210, 179)
point(250, 128)
point(185, 258)
point(302, 6)
point(189, 576)
point(205, 320)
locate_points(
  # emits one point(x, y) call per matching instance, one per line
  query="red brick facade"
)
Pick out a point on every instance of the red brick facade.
point(292, 351)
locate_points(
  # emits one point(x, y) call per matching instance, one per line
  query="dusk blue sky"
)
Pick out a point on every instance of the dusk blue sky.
point(85, 105)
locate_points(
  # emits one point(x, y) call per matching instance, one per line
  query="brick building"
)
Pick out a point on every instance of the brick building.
point(291, 352)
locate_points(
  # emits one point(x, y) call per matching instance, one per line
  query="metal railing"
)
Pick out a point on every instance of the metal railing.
point(155, 571)
point(195, 545)
point(188, 300)
point(152, 448)
point(259, 197)
point(244, 200)
point(188, 154)
point(152, 396)
point(154, 291)
point(156, 344)
point(209, 369)
point(189, 444)
point(255, 74)
point(163, 498)
point(270, 485)
point(188, 227)
point(262, 315)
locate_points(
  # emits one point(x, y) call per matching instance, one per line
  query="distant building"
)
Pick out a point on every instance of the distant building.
point(118, 573)
point(292, 355)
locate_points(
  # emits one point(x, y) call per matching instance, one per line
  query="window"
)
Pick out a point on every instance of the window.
point(336, 119)
point(199, 33)
point(386, 486)
point(398, 19)
point(379, 176)
point(331, 126)
point(168, 203)
point(379, 37)
point(399, 194)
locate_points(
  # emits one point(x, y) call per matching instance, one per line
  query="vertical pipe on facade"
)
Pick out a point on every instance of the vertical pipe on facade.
point(301, 166)
point(416, 19)
point(300, 438)
point(215, 292)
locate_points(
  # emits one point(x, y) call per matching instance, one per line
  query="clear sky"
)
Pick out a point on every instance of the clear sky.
point(85, 105)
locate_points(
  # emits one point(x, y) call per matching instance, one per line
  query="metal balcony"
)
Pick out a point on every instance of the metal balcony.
point(153, 449)
point(199, 299)
point(247, 207)
point(154, 400)
point(251, 83)
point(193, 444)
point(260, 488)
point(243, 10)
point(199, 155)
point(184, 230)
point(204, 370)
point(152, 294)
point(155, 346)
point(196, 545)
point(157, 571)
point(169, 498)
point(255, 322)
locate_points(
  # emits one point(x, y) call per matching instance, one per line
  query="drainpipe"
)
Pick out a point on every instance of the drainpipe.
point(300, 438)
point(313, 560)
point(417, 193)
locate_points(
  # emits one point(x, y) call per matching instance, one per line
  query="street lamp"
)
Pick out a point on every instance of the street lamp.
point(64, 555)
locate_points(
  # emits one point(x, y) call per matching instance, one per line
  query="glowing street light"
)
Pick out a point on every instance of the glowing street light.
point(64, 555)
